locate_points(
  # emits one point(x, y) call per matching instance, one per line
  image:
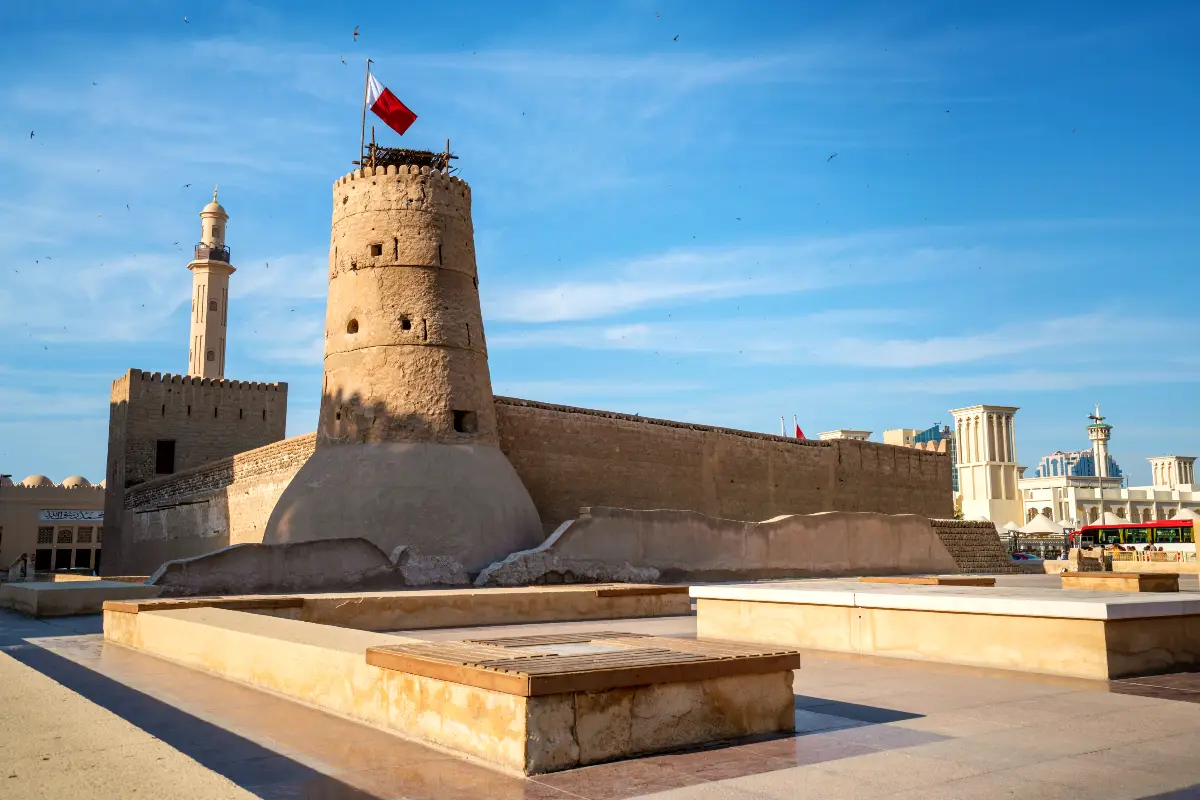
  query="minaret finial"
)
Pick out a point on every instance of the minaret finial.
point(214, 193)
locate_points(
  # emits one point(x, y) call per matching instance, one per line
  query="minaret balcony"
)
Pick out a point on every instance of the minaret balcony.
point(207, 252)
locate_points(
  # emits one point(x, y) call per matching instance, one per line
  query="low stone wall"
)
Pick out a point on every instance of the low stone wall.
point(200, 510)
point(328, 565)
point(616, 544)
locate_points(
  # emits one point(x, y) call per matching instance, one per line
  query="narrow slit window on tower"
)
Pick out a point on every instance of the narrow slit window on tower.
point(439, 255)
point(189, 411)
point(464, 421)
point(240, 413)
point(214, 412)
point(396, 249)
point(264, 415)
point(376, 250)
point(468, 327)
point(164, 409)
point(424, 331)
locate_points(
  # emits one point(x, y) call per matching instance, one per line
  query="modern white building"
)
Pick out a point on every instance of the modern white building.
point(1075, 500)
point(842, 433)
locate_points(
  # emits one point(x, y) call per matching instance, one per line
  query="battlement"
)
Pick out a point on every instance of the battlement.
point(402, 172)
point(193, 380)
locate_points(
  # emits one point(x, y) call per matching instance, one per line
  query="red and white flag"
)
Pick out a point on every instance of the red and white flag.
point(388, 107)
point(799, 433)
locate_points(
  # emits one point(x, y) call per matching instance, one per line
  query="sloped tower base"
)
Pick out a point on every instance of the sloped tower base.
point(464, 501)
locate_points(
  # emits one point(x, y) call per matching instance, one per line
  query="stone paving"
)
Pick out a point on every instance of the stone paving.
point(865, 728)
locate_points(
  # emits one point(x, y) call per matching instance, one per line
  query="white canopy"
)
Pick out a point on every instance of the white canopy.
point(1112, 519)
point(1187, 513)
point(1041, 524)
point(1011, 526)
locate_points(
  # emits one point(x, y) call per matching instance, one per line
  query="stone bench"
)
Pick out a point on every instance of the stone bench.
point(931, 580)
point(1121, 581)
point(1096, 635)
point(565, 700)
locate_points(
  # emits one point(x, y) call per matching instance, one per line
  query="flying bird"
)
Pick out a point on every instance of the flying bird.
point(95, 84)
point(356, 33)
point(676, 39)
point(831, 158)
point(947, 111)
point(185, 20)
point(31, 134)
point(186, 185)
point(343, 61)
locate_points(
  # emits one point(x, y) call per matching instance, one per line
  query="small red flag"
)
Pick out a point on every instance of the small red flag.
point(388, 107)
point(799, 433)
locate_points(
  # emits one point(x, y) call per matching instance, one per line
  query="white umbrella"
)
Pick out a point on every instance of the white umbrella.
point(1112, 519)
point(1042, 524)
point(1187, 513)
point(1011, 526)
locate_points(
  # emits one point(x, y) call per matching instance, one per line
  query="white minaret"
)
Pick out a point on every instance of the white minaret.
point(210, 294)
point(1099, 433)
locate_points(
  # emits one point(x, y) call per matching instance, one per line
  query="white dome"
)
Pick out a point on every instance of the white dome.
point(76, 482)
point(37, 481)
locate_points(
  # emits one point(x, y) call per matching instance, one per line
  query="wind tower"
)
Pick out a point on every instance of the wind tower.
point(210, 294)
point(986, 455)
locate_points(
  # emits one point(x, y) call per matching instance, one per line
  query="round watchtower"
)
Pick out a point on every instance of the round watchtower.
point(405, 358)
point(407, 450)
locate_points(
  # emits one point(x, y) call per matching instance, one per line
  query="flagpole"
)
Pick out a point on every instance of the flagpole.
point(362, 138)
point(782, 426)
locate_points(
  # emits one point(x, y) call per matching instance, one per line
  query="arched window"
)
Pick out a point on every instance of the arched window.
point(211, 356)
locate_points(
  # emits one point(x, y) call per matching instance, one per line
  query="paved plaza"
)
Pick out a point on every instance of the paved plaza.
point(80, 718)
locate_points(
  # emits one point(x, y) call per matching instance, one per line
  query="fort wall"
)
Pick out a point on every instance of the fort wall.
point(202, 509)
point(205, 420)
point(570, 458)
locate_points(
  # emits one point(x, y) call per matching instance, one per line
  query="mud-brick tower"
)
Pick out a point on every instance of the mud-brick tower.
point(407, 450)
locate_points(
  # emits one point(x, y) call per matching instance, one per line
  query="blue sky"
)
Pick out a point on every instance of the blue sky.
point(1010, 216)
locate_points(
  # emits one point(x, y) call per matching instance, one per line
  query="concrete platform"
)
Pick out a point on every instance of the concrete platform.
point(68, 598)
point(1121, 581)
point(522, 706)
point(1084, 634)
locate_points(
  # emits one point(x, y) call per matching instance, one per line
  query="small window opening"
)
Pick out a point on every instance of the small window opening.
point(337, 415)
point(439, 255)
point(396, 249)
point(214, 412)
point(164, 456)
point(424, 331)
point(211, 356)
point(240, 413)
point(376, 250)
point(164, 409)
point(464, 421)
point(468, 326)
point(189, 411)
point(212, 305)
point(405, 324)
point(264, 415)
point(352, 326)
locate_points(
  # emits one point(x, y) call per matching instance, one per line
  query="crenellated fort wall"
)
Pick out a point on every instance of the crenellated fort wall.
point(207, 419)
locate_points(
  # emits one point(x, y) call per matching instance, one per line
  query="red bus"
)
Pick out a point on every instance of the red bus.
point(1164, 534)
